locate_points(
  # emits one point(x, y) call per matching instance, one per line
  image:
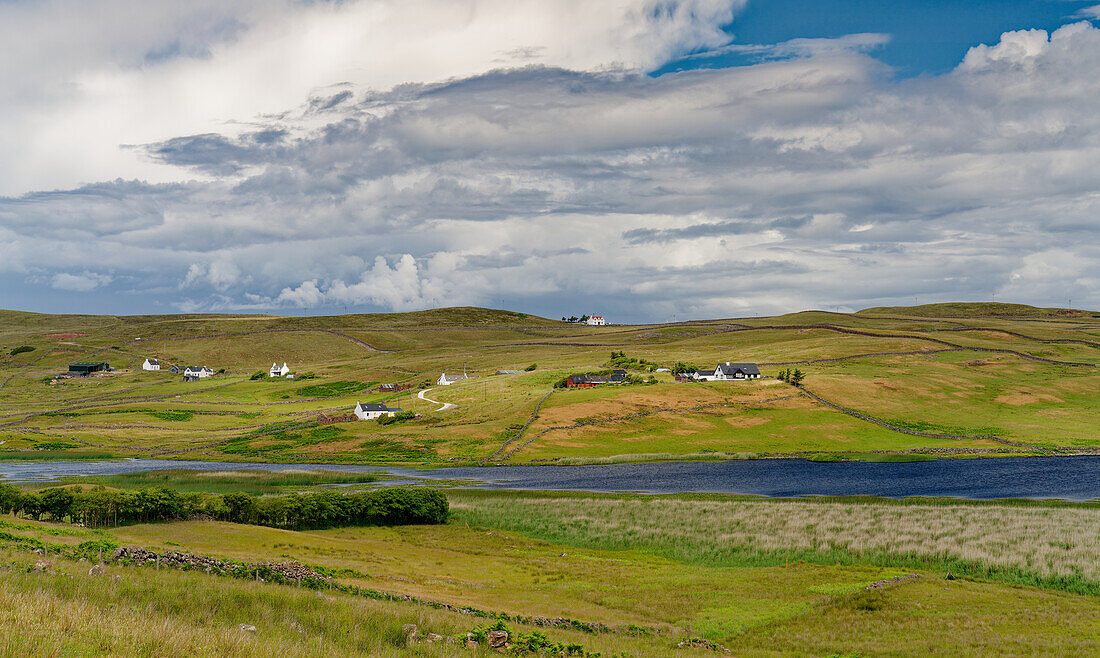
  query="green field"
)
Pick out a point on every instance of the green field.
point(760, 577)
point(1008, 379)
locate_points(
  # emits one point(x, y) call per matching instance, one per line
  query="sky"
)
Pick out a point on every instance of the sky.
point(645, 160)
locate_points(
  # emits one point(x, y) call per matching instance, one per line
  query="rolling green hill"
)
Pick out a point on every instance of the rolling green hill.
point(936, 383)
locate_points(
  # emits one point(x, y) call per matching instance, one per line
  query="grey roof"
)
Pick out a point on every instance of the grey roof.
point(453, 378)
point(152, 361)
point(732, 368)
point(508, 372)
point(618, 371)
point(374, 406)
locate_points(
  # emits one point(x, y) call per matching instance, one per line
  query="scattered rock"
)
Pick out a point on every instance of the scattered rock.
point(470, 644)
point(434, 637)
point(699, 643)
point(498, 639)
point(41, 565)
point(97, 570)
point(247, 628)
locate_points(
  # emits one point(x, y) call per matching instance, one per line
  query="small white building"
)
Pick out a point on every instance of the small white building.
point(595, 321)
point(150, 364)
point(276, 371)
point(373, 410)
point(191, 373)
point(447, 380)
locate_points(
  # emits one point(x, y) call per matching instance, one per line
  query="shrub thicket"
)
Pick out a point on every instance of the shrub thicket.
point(21, 349)
point(330, 509)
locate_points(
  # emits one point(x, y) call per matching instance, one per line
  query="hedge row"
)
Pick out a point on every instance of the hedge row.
point(99, 507)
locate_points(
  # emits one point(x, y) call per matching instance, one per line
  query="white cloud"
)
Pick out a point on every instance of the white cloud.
point(79, 282)
point(816, 181)
point(148, 71)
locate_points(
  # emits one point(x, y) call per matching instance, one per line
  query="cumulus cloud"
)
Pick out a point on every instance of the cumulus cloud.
point(816, 180)
point(79, 282)
point(150, 71)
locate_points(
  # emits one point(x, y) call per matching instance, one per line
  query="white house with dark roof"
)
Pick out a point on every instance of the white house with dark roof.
point(447, 380)
point(373, 410)
point(193, 373)
point(276, 371)
point(150, 364)
point(730, 372)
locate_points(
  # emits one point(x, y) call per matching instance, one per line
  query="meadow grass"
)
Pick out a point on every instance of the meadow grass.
point(1049, 546)
point(160, 613)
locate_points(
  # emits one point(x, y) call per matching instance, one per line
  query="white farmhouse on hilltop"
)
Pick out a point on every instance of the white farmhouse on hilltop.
point(595, 321)
point(150, 364)
point(373, 410)
point(276, 371)
point(447, 380)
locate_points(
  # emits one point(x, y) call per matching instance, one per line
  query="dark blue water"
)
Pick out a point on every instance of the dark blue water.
point(1069, 478)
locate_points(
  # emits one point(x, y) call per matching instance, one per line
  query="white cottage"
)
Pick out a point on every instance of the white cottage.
point(193, 373)
point(150, 364)
point(595, 321)
point(447, 380)
point(276, 371)
point(729, 372)
point(373, 410)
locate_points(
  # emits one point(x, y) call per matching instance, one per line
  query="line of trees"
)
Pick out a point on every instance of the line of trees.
point(330, 509)
point(793, 377)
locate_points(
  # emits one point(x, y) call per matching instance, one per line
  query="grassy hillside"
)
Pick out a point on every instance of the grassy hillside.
point(988, 385)
point(978, 310)
point(826, 577)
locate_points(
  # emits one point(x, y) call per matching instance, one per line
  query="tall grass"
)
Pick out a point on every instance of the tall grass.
point(1048, 546)
point(147, 612)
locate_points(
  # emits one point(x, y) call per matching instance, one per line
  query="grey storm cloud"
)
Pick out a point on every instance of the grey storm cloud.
point(817, 181)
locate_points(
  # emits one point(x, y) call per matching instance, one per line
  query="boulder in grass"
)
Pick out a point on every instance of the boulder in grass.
point(498, 639)
point(97, 570)
point(247, 628)
point(41, 565)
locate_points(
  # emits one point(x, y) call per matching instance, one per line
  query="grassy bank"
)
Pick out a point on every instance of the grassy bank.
point(1046, 546)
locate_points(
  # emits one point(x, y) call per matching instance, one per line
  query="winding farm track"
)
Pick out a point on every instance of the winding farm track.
point(446, 405)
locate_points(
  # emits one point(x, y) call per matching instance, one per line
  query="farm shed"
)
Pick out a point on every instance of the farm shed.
point(88, 367)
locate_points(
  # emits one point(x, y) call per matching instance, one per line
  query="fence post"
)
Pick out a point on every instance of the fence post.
point(158, 563)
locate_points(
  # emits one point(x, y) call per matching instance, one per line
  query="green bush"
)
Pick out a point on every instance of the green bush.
point(259, 374)
point(398, 417)
point(21, 349)
point(531, 367)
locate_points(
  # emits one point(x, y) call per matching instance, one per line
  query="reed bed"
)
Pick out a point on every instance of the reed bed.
point(1049, 546)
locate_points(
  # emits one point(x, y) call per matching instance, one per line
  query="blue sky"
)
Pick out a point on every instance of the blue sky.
point(926, 37)
point(641, 160)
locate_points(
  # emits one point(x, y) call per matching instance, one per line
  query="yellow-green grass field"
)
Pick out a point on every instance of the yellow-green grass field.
point(761, 577)
point(893, 370)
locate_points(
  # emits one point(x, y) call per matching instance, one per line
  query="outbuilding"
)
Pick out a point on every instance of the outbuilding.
point(85, 368)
